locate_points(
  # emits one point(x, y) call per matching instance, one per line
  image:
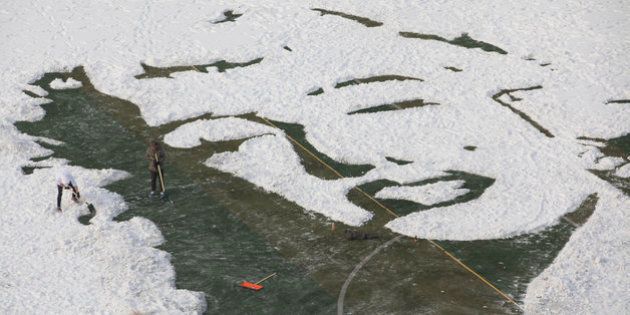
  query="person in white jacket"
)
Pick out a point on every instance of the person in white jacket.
point(65, 180)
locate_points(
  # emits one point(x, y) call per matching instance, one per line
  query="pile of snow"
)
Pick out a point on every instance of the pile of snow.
point(222, 129)
point(37, 90)
point(269, 162)
point(70, 83)
point(608, 163)
point(590, 275)
point(51, 263)
point(428, 194)
point(623, 171)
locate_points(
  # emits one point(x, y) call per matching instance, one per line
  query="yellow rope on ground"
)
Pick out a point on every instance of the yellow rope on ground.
point(484, 280)
point(432, 242)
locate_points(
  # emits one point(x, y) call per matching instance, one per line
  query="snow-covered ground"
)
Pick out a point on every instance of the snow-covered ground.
point(59, 84)
point(52, 264)
point(223, 129)
point(429, 194)
point(590, 275)
point(576, 51)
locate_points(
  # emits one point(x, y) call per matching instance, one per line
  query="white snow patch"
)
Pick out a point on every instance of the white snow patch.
point(269, 162)
point(37, 90)
point(70, 83)
point(428, 194)
point(623, 171)
point(608, 163)
point(222, 129)
point(590, 274)
point(48, 141)
point(51, 262)
point(590, 157)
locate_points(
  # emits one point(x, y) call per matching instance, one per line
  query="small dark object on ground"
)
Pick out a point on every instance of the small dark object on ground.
point(91, 208)
point(353, 235)
point(256, 286)
point(229, 15)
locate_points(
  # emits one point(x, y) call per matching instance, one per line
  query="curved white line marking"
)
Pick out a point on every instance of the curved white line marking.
point(344, 288)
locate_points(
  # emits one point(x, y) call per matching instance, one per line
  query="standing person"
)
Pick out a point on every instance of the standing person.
point(155, 154)
point(65, 180)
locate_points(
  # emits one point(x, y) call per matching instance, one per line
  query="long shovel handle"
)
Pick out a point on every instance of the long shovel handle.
point(159, 172)
point(265, 278)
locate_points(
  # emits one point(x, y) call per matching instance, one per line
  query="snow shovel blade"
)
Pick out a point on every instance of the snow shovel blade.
point(251, 286)
point(256, 286)
point(91, 207)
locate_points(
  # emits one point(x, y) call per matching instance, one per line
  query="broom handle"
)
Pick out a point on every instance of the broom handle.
point(159, 172)
point(265, 278)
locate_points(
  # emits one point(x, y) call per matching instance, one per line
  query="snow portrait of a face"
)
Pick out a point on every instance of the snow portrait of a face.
point(399, 157)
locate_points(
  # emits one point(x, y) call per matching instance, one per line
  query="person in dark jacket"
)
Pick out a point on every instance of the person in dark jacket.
point(156, 156)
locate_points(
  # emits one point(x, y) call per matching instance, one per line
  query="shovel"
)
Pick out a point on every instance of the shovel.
point(256, 286)
point(160, 172)
point(90, 207)
point(81, 200)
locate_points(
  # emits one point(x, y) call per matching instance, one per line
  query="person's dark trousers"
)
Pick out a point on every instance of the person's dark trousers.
point(75, 195)
point(59, 193)
point(154, 178)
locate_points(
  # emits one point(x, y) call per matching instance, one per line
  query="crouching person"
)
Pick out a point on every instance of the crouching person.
point(65, 180)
